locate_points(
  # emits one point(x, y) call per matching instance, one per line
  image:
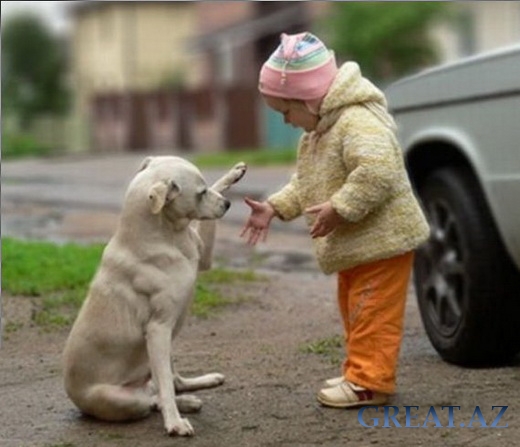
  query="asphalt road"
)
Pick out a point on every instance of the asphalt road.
point(97, 184)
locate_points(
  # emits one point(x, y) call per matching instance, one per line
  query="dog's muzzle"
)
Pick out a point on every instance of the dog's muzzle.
point(227, 204)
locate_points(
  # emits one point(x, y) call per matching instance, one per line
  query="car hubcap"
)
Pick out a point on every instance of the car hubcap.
point(441, 272)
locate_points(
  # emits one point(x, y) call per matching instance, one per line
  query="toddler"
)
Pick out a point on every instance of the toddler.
point(352, 187)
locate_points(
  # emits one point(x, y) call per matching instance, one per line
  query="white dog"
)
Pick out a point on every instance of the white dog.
point(117, 359)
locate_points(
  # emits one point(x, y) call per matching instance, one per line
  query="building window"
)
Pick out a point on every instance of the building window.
point(225, 63)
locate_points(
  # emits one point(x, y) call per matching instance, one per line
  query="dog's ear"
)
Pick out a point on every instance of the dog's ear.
point(161, 193)
point(144, 164)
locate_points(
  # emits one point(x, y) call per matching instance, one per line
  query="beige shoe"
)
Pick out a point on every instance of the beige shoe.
point(348, 395)
point(333, 382)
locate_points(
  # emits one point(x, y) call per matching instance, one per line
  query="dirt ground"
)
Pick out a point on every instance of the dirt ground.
point(261, 343)
point(268, 398)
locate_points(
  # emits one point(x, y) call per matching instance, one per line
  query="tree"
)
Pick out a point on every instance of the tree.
point(33, 69)
point(387, 39)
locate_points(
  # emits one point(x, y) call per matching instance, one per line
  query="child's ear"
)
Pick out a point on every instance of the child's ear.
point(161, 193)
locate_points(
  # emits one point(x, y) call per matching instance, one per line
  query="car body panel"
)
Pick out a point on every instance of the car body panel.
point(473, 107)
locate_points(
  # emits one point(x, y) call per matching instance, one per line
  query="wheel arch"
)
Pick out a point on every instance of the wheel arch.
point(431, 152)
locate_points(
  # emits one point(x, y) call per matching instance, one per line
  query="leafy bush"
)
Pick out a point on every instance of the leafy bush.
point(387, 39)
point(22, 145)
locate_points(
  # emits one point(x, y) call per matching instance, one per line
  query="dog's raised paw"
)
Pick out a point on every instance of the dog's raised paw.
point(181, 428)
point(238, 171)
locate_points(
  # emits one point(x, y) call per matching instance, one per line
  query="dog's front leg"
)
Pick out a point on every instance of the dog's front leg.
point(158, 341)
point(206, 230)
point(231, 177)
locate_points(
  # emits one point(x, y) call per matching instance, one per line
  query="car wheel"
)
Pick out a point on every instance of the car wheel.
point(463, 277)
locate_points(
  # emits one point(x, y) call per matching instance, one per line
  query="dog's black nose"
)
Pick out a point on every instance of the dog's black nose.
point(227, 204)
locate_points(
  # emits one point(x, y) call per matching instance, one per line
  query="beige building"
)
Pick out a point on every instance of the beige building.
point(127, 47)
point(122, 52)
point(496, 24)
point(476, 27)
point(131, 45)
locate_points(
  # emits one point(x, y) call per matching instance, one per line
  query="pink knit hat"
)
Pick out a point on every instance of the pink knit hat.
point(300, 68)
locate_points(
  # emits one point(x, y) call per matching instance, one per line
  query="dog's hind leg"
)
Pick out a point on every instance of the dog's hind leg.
point(211, 380)
point(117, 403)
point(186, 403)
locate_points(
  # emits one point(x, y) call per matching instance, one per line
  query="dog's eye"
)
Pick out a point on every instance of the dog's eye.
point(202, 192)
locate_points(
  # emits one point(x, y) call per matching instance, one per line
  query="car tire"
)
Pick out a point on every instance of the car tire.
point(465, 282)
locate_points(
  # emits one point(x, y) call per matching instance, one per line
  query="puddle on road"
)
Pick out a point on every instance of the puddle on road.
point(31, 223)
point(60, 226)
point(57, 225)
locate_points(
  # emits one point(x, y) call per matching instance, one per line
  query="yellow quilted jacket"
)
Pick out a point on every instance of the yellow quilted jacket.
point(354, 160)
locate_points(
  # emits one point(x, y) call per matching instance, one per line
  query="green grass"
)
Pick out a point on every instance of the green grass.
point(111, 436)
point(21, 145)
point(60, 275)
point(330, 348)
point(260, 157)
point(209, 299)
point(12, 326)
point(39, 268)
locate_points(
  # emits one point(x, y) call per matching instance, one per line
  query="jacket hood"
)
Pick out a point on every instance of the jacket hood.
point(350, 88)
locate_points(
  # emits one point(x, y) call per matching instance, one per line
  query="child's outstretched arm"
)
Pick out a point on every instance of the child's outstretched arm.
point(284, 204)
point(257, 226)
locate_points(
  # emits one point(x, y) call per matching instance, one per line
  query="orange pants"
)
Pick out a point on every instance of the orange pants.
point(372, 300)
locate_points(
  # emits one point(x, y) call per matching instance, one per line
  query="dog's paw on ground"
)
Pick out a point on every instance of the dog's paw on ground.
point(182, 427)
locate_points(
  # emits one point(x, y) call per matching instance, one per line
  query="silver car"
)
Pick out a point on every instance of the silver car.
point(459, 126)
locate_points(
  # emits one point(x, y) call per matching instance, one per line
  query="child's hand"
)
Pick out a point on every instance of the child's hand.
point(258, 223)
point(327, 219)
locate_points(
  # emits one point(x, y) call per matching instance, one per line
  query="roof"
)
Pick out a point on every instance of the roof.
point(81, 7)
point(252, 29)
